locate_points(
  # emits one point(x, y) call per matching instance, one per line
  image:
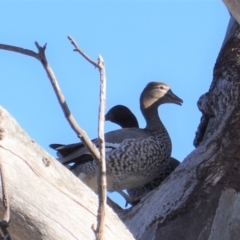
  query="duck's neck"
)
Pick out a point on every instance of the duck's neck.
point(154, 123)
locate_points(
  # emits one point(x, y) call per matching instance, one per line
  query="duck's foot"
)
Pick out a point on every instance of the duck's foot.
point(130, 200)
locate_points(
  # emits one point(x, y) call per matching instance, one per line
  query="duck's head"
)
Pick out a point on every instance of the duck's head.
point(122, 116)
point(157, 93)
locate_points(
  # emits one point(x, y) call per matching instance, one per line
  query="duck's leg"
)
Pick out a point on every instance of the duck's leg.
point(129, 200)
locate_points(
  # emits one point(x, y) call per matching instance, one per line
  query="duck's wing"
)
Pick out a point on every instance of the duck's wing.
point(120, 135)
point(64, 150)
point(112, 141)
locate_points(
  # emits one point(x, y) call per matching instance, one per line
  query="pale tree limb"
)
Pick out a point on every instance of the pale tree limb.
point(100, 158)
point(42, 58)
point(233, 7)
point(47, 200)
point(4, 224)
point(71, 120)
point(19, 50)
point(77, 49)
point(102, 181)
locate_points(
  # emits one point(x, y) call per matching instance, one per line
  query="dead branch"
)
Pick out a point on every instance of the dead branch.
point(233, 7)
point(19, 50)
point(42, 58)
point(100, 157)
point(47, 201)
point(61, 99)
point(4, 224)
point(77, 49)
point(102, 182)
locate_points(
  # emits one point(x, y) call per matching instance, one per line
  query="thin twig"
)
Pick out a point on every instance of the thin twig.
point(77, 49)
point(19, 50)
point(102, 181)
point(80, 133)
point(4, 224)
point(61, 99)
point(42, 58)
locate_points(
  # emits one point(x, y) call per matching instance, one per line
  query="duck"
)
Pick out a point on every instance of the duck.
point(124, 117)
point(134, 156)
point(126, 120)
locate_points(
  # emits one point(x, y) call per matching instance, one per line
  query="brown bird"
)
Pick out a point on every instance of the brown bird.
point(134, 156)
point(124, 117)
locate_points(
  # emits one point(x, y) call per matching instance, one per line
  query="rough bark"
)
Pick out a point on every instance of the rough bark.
point(46, 200)
point(201, 200)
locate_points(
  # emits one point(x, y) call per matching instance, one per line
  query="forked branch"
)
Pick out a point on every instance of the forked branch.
point(100, 157)
point(102, 182)
point(61, 99)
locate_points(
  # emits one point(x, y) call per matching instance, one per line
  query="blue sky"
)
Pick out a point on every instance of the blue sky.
point(176, 42)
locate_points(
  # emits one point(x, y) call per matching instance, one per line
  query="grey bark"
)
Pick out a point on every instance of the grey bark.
point(46, 200)
point(233, 7)
point(201, 200)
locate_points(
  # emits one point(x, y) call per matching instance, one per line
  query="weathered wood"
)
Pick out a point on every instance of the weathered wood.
point(233, 7)
point(46, 200)
point(201, 200)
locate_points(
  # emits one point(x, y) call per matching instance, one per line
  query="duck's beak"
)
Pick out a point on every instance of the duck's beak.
point(174, 98)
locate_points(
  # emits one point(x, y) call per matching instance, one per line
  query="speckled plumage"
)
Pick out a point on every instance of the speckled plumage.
point(139, 159)
point(136, 155)
point(166, 171)
point(123, 116)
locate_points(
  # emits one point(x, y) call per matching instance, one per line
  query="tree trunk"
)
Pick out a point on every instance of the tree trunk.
point(200, 199)
point(46, 200)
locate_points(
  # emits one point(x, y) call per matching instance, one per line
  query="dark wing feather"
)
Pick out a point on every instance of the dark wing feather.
point(113, 137)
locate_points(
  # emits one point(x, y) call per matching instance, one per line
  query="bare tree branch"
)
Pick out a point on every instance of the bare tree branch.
point(80, 133)
point(100, 157)
point(61, 207)
point(19, 50)
point(4, 224)
point(77, 49)
point(42, 58)
point(102, 181)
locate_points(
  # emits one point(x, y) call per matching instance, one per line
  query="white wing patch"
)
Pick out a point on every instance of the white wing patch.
point(111, 146)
